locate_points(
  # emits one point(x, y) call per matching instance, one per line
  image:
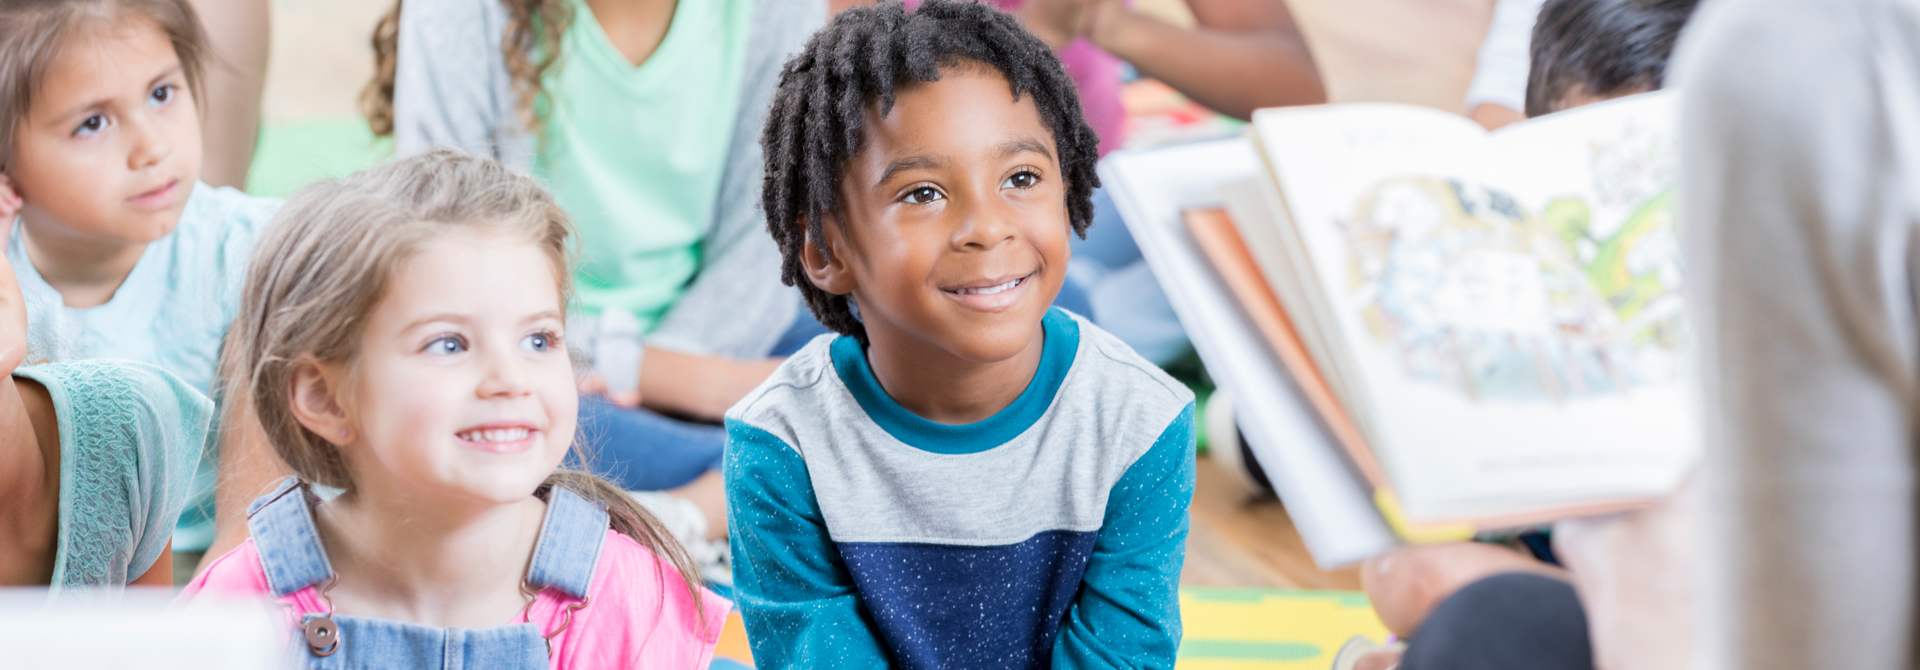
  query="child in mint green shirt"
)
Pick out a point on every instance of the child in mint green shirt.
point(644, 119)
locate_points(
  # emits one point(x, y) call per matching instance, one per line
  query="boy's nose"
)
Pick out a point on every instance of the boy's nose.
point(985, 227)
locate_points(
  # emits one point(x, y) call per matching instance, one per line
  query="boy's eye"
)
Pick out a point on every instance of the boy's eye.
point(538, 342)
point(923, 195)
point(1022, 179)
point(90, 125)
point(161, 94)
point(446, 346)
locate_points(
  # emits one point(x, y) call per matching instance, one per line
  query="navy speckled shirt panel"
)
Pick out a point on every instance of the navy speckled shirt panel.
point(944, 606)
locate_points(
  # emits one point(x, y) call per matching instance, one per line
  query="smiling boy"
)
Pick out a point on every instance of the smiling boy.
point(965, 477)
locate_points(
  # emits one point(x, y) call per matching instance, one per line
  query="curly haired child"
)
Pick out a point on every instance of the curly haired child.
point(964, 476)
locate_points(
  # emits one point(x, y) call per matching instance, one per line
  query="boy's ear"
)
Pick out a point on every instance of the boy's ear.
point(315, 404)
point(828, 274)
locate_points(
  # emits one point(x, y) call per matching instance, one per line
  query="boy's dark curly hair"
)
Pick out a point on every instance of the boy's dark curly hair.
point(864, 55)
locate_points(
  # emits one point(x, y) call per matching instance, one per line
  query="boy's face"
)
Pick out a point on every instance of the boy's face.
point(956, 219)
point(111, 147)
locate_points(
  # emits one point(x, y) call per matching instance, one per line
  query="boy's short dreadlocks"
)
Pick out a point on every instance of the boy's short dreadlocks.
point(866, 54)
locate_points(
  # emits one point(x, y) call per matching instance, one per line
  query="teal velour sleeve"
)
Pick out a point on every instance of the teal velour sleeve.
point(797, 599)
point(1128, 612)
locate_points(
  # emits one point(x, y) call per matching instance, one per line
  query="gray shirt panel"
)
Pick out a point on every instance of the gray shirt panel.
point(1110, 409)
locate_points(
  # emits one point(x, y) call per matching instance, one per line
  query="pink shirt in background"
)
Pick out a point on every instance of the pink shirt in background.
point(1097, 74)
point(639, 614)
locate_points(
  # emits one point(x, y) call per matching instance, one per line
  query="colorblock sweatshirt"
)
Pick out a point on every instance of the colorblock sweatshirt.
point(1048, 535)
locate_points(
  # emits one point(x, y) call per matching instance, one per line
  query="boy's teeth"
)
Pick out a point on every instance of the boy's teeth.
point(990, 290)
point(495, 435)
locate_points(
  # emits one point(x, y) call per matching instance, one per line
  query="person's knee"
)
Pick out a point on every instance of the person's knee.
point(1405, 584)
point(1512, 620)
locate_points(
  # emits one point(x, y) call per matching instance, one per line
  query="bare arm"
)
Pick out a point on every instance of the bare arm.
point(161, 574)
point(1243, 55)
point(702, 387)
point(236, 76)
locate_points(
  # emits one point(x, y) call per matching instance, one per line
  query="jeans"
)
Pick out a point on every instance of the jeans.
point(1515, 621)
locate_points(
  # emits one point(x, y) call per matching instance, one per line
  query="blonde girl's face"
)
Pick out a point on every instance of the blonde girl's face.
point(462, 388)
point(110, 149)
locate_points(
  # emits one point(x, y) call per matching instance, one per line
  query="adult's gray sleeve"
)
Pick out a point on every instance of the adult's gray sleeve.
point(1800, 137)
point(451, 87)
point(736, 305)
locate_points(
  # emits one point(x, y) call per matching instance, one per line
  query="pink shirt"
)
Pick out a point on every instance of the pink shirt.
point(639, 614)
point(1097, 74)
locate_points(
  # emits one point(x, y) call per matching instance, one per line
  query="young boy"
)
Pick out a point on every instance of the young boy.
point(965, 477)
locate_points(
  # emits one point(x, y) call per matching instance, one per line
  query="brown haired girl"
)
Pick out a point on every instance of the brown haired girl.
point(118, 248)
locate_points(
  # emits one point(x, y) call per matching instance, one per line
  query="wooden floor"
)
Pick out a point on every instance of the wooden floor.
point(1242, 539)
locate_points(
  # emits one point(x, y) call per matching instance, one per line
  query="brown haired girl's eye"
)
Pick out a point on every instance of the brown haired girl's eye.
point(91, 125)
point(161, 94)
point(1021, 179)
point(923, 195)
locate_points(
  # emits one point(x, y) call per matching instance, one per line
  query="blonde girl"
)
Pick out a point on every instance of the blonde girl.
point(402, 339)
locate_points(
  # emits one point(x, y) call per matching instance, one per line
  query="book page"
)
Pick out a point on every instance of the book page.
point(1329, 504)
point(1502, 376)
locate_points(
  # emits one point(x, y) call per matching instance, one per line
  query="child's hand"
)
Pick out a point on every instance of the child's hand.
point(13, 305)
point(594, 384)
point(1056, 22)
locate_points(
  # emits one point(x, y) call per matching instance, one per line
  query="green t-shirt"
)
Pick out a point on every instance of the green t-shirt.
point(635, 154)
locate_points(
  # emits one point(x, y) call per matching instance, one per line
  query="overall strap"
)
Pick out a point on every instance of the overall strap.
point(281, 523)
point(571, 538)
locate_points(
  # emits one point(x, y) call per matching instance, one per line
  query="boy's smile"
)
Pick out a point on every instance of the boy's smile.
point(953, 239)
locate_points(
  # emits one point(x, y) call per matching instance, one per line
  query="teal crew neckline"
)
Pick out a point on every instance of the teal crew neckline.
point(1056, 358)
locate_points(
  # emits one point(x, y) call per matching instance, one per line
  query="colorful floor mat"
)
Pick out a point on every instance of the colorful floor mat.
point(1259, 629)
point(1226, 629)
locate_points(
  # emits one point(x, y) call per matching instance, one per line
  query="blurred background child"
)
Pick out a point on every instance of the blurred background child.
point(403, 339)
point(118, 248)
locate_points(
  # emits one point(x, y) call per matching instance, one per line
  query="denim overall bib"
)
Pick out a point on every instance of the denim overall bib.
point(564, 558)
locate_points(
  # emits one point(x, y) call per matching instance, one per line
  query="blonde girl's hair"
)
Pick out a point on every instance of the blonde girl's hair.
point(531, 45)
point(324, 264)
point(34, 33)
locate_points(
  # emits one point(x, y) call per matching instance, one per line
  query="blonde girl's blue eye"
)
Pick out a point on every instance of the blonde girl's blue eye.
point(922, 195)
point(539, 342)
point(446, 346)
point(1022, 179)
point(162, 94)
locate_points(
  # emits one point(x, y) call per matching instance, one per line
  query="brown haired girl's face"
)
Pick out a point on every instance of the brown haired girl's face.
point(461, 387)
point(111, 147)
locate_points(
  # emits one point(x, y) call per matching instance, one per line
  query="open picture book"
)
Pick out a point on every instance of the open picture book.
point(1491, 326)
